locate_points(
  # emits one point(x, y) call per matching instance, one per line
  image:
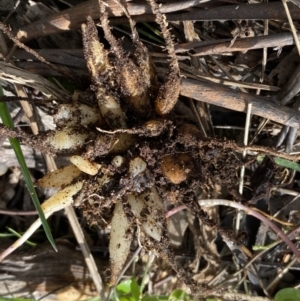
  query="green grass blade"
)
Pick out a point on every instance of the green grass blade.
point(283, 162)
point(15, 233)
point(154, 30)
point(150, 36)
point(7, 120)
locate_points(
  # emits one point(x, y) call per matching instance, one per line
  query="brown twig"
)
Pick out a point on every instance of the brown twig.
point(73, 17)
point(245, 44)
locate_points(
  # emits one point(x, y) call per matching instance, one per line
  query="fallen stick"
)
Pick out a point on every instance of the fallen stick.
point(72, 18)
point(225, 97)
point(245, 44)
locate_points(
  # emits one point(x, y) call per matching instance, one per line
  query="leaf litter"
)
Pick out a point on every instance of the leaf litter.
point(149, 160)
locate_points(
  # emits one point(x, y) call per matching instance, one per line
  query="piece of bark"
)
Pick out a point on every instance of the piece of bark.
point(41, 271)
point(219, 95)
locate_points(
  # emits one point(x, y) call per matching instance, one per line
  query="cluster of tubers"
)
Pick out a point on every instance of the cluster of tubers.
point(131, 156)
point(105, 148)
